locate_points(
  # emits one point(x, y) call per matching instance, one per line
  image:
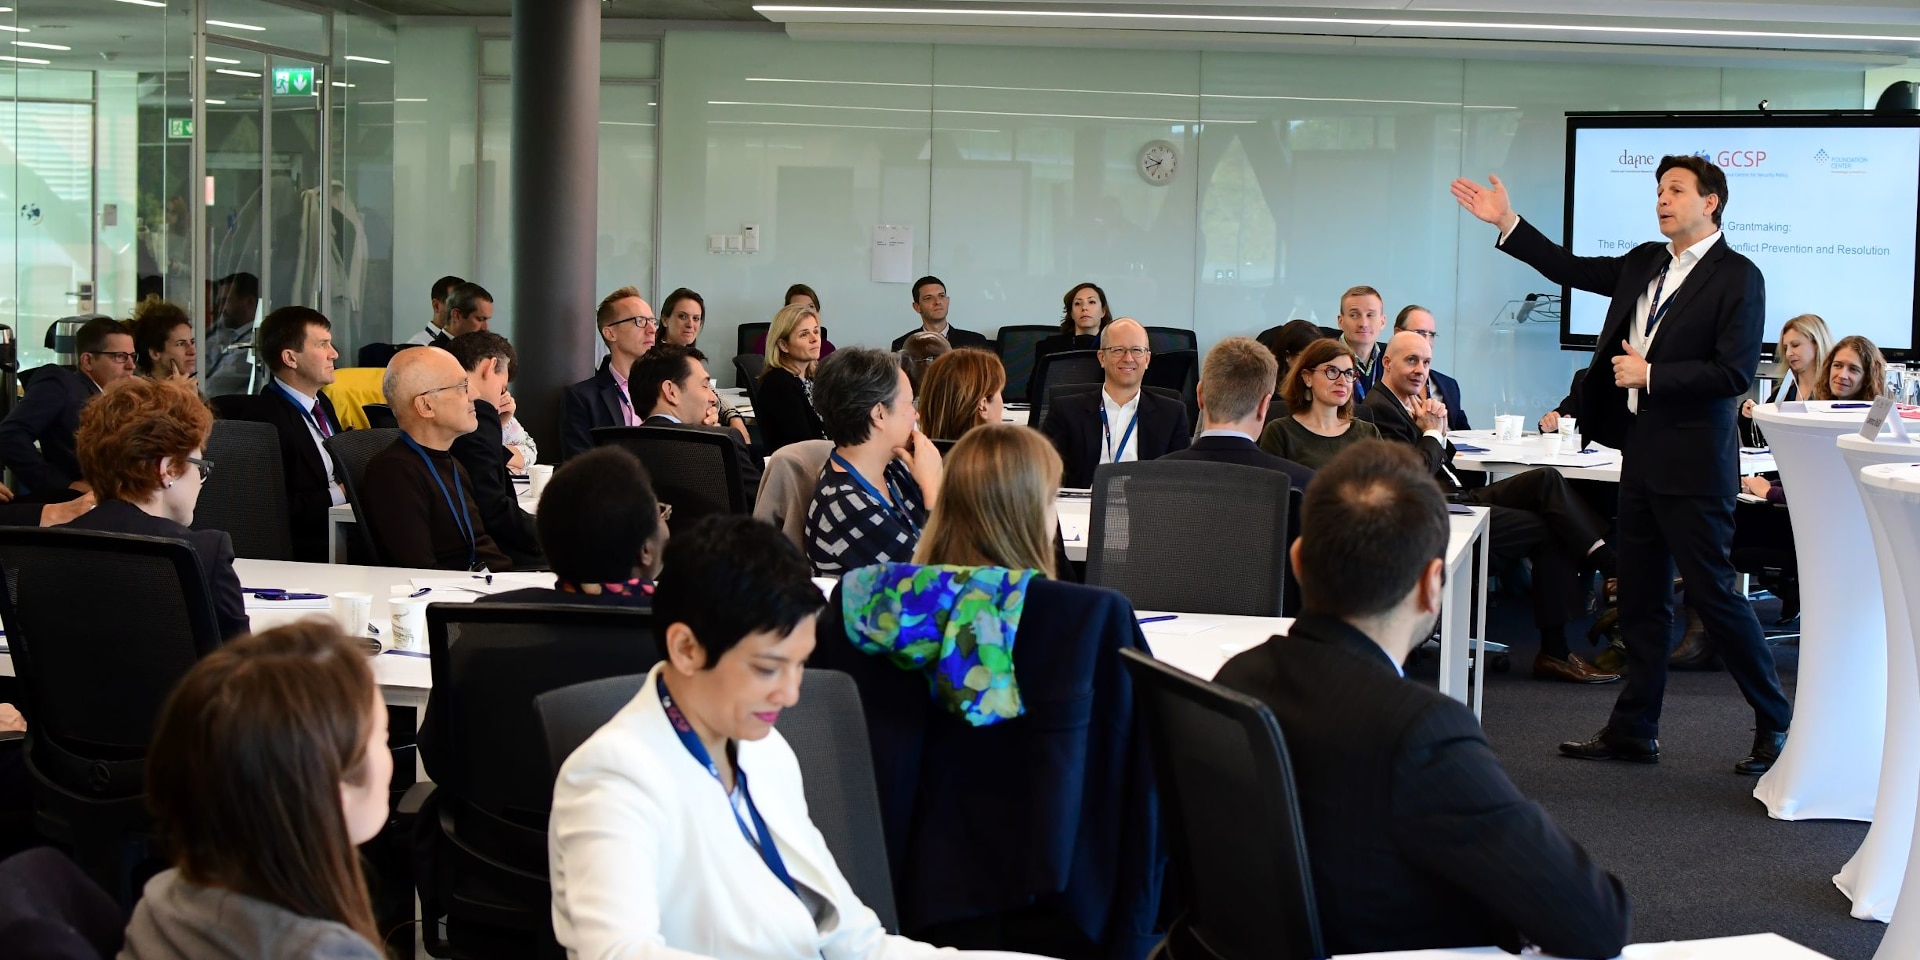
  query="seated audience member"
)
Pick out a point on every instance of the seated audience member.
point(1121, 422)
point(962, 390)
point(31, 514)
point(435, 334)
point(930, 302)
point(996, 503)
point(660, 842)
point(490, 362)
point(236, 299)
point(682, 316)
point(469, 308)
point(670, 382)
point(1285, 342)
point(604, 531)
point(1420, 320)
point(1362, 316)
point(783, 406)
point(628, 327)
point(163, 340)
point(142, 446)
point(269, 766)
point(921, 350)
point(1856, 370)
point(1569, 405)
point(883, 476)
point(1319, 393)
point(419, 503)
point(296, 347)
point(1236, 385)
point(49, 413)
point(797, 295)
point(522, 452)
point(1804, 342)
point(1083, 314)
point(1536, 514)
point(1417, 839)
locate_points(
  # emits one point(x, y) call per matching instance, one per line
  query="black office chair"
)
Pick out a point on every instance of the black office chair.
point(488, 759)
point(94, 670)
point(50, 910)
point(747, 368)
point(380, 416)
point(827, 730)
point(1016, 346)
point(1179, 372)
point(350, 450)
point(747, 335)
point(569, 715)
point(694, 470)
point(944, 446)
point(1233, 817)
point(378, 354)
point(1163, 340)
point(1163, 532)
point(1072, 366)
point(247, 494)
point(235, 406)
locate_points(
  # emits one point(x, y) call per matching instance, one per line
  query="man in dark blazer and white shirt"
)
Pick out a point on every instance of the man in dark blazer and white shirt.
point(1122, 421)
point(671, 383)
point(930, 302)
point(1679, 348)
point(49, 413)
point(296, 347)
point(629, 328)
point(1415, 836)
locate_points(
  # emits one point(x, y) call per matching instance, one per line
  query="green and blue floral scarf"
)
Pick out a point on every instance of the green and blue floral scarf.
point(955, 623)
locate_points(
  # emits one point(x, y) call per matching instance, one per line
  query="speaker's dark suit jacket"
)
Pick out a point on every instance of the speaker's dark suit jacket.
point(213, 548)
point(1073, 424)
point(309, 485)
point(1417, 839)
point(956, 338)
point(1449, 391)
point(485, 457)
point(749, 464)
point(49, 414)
point(591, 403)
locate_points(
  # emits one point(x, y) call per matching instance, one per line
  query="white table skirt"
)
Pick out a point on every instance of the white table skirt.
point(1758, 946)
point(1893, 494)
point(1830, 769)
point(1871, 879)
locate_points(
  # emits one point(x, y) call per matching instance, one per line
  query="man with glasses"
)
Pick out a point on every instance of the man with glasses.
point(417, 500)
point(296, 347)
point(930, 302)
point(671, 381)
point(682, 316)
point(1439, 386)
point(628, 326)
point(50, 412)
point(1122, 421)
point(1536, 515)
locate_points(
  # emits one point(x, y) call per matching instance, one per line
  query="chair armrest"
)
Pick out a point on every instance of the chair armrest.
point(6, 735)
point(415, 798)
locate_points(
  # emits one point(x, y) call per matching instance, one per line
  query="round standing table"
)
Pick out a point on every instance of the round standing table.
point(1892, 492)
point(1830, 769)
point(1872, 878)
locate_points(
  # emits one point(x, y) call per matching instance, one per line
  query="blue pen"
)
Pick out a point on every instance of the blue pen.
point(423, 591)
point(1850, 406)
point(275, 593)
point(1159, 619)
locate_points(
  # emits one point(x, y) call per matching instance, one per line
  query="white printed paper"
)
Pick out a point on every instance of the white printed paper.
point(892, 254)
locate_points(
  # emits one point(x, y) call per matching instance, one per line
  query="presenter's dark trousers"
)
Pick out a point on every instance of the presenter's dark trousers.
point(1657, 534)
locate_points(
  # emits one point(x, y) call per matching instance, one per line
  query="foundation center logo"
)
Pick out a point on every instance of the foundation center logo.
point(1839, 164)
point(1821, 158)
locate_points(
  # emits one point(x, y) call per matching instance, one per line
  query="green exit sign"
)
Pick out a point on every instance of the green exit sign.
point(292, 81)
point(180, 128)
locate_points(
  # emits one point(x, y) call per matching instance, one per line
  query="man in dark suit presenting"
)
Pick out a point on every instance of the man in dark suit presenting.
point(1416, 837)
point(1122, 421)
point(1679, 347)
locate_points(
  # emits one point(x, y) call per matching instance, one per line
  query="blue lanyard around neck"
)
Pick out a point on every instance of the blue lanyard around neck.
point(1106, 431)
point(310, 414)
point(759, 835)
point(1655, 309)
point(456, 502)
point(897, 506)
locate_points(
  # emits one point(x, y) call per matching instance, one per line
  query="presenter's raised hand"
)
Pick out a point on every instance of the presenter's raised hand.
point(1486, 203)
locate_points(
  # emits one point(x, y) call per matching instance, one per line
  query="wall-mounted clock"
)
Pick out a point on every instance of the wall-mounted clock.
point(1158, 162)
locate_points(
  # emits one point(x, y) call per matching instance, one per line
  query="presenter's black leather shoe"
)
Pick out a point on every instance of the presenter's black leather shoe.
point(1607, 745)
point(1766, 749)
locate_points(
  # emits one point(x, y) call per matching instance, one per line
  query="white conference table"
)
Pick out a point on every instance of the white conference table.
point(1830, 769)
point(1757, 946)
point(1201, 643)
point(1892, 493)
point(1500, 460)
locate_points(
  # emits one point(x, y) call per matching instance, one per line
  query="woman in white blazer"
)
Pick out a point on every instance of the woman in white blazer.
point(680, 829)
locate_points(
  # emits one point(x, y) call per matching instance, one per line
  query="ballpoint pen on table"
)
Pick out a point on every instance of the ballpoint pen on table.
point(275, 593)
point(1159, 619)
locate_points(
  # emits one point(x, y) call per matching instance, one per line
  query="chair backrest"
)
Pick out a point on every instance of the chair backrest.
point(695, 470)
point(747, 368)
point(351, 450)
point(569, 715)
point(94, 674)
point(376, 354)
point(247, 494)
point(235, 406)
point(1233, 816)
point(380, 416)
point(1190, 535)
point(827, 730)
point(1072, 366)
point(1177, 371)
point(1016, 345)
point(51, 910)
point(747, 335)
point(1171, 340)
point(786, 487)
point(353, 388)
point(489, 662)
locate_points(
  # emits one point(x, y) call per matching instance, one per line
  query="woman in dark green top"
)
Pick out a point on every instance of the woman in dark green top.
point(1319, 395)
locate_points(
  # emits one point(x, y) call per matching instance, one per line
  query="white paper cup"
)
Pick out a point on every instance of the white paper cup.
point(409, 623)
point(1507, 427)
point(539, 474)
point(1569, 427)
point(353, 611)
point(1550, 445)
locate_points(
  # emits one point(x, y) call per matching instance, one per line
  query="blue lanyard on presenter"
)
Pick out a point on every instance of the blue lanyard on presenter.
point(456, 502)
point(759, 835)
point(897, 506)
point(1106, 432)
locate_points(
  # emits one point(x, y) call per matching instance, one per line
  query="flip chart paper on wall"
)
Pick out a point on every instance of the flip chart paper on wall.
point(892, 254)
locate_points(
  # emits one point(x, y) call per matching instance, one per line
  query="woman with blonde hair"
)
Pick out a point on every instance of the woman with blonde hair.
point(960, 391)
point(1319, 391)
point(1803, 344)
point(996, 506)
point(783, 404)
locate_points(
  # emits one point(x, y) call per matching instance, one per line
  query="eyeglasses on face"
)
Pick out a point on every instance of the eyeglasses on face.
point(1429, 334)
point(1335, 374)
point(117, 356)
point(463, 386)
point(202, 464)
point(642, 322)
point(1120, 352)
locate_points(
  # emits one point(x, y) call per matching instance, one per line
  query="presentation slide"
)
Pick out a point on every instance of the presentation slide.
point(1828, 213)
